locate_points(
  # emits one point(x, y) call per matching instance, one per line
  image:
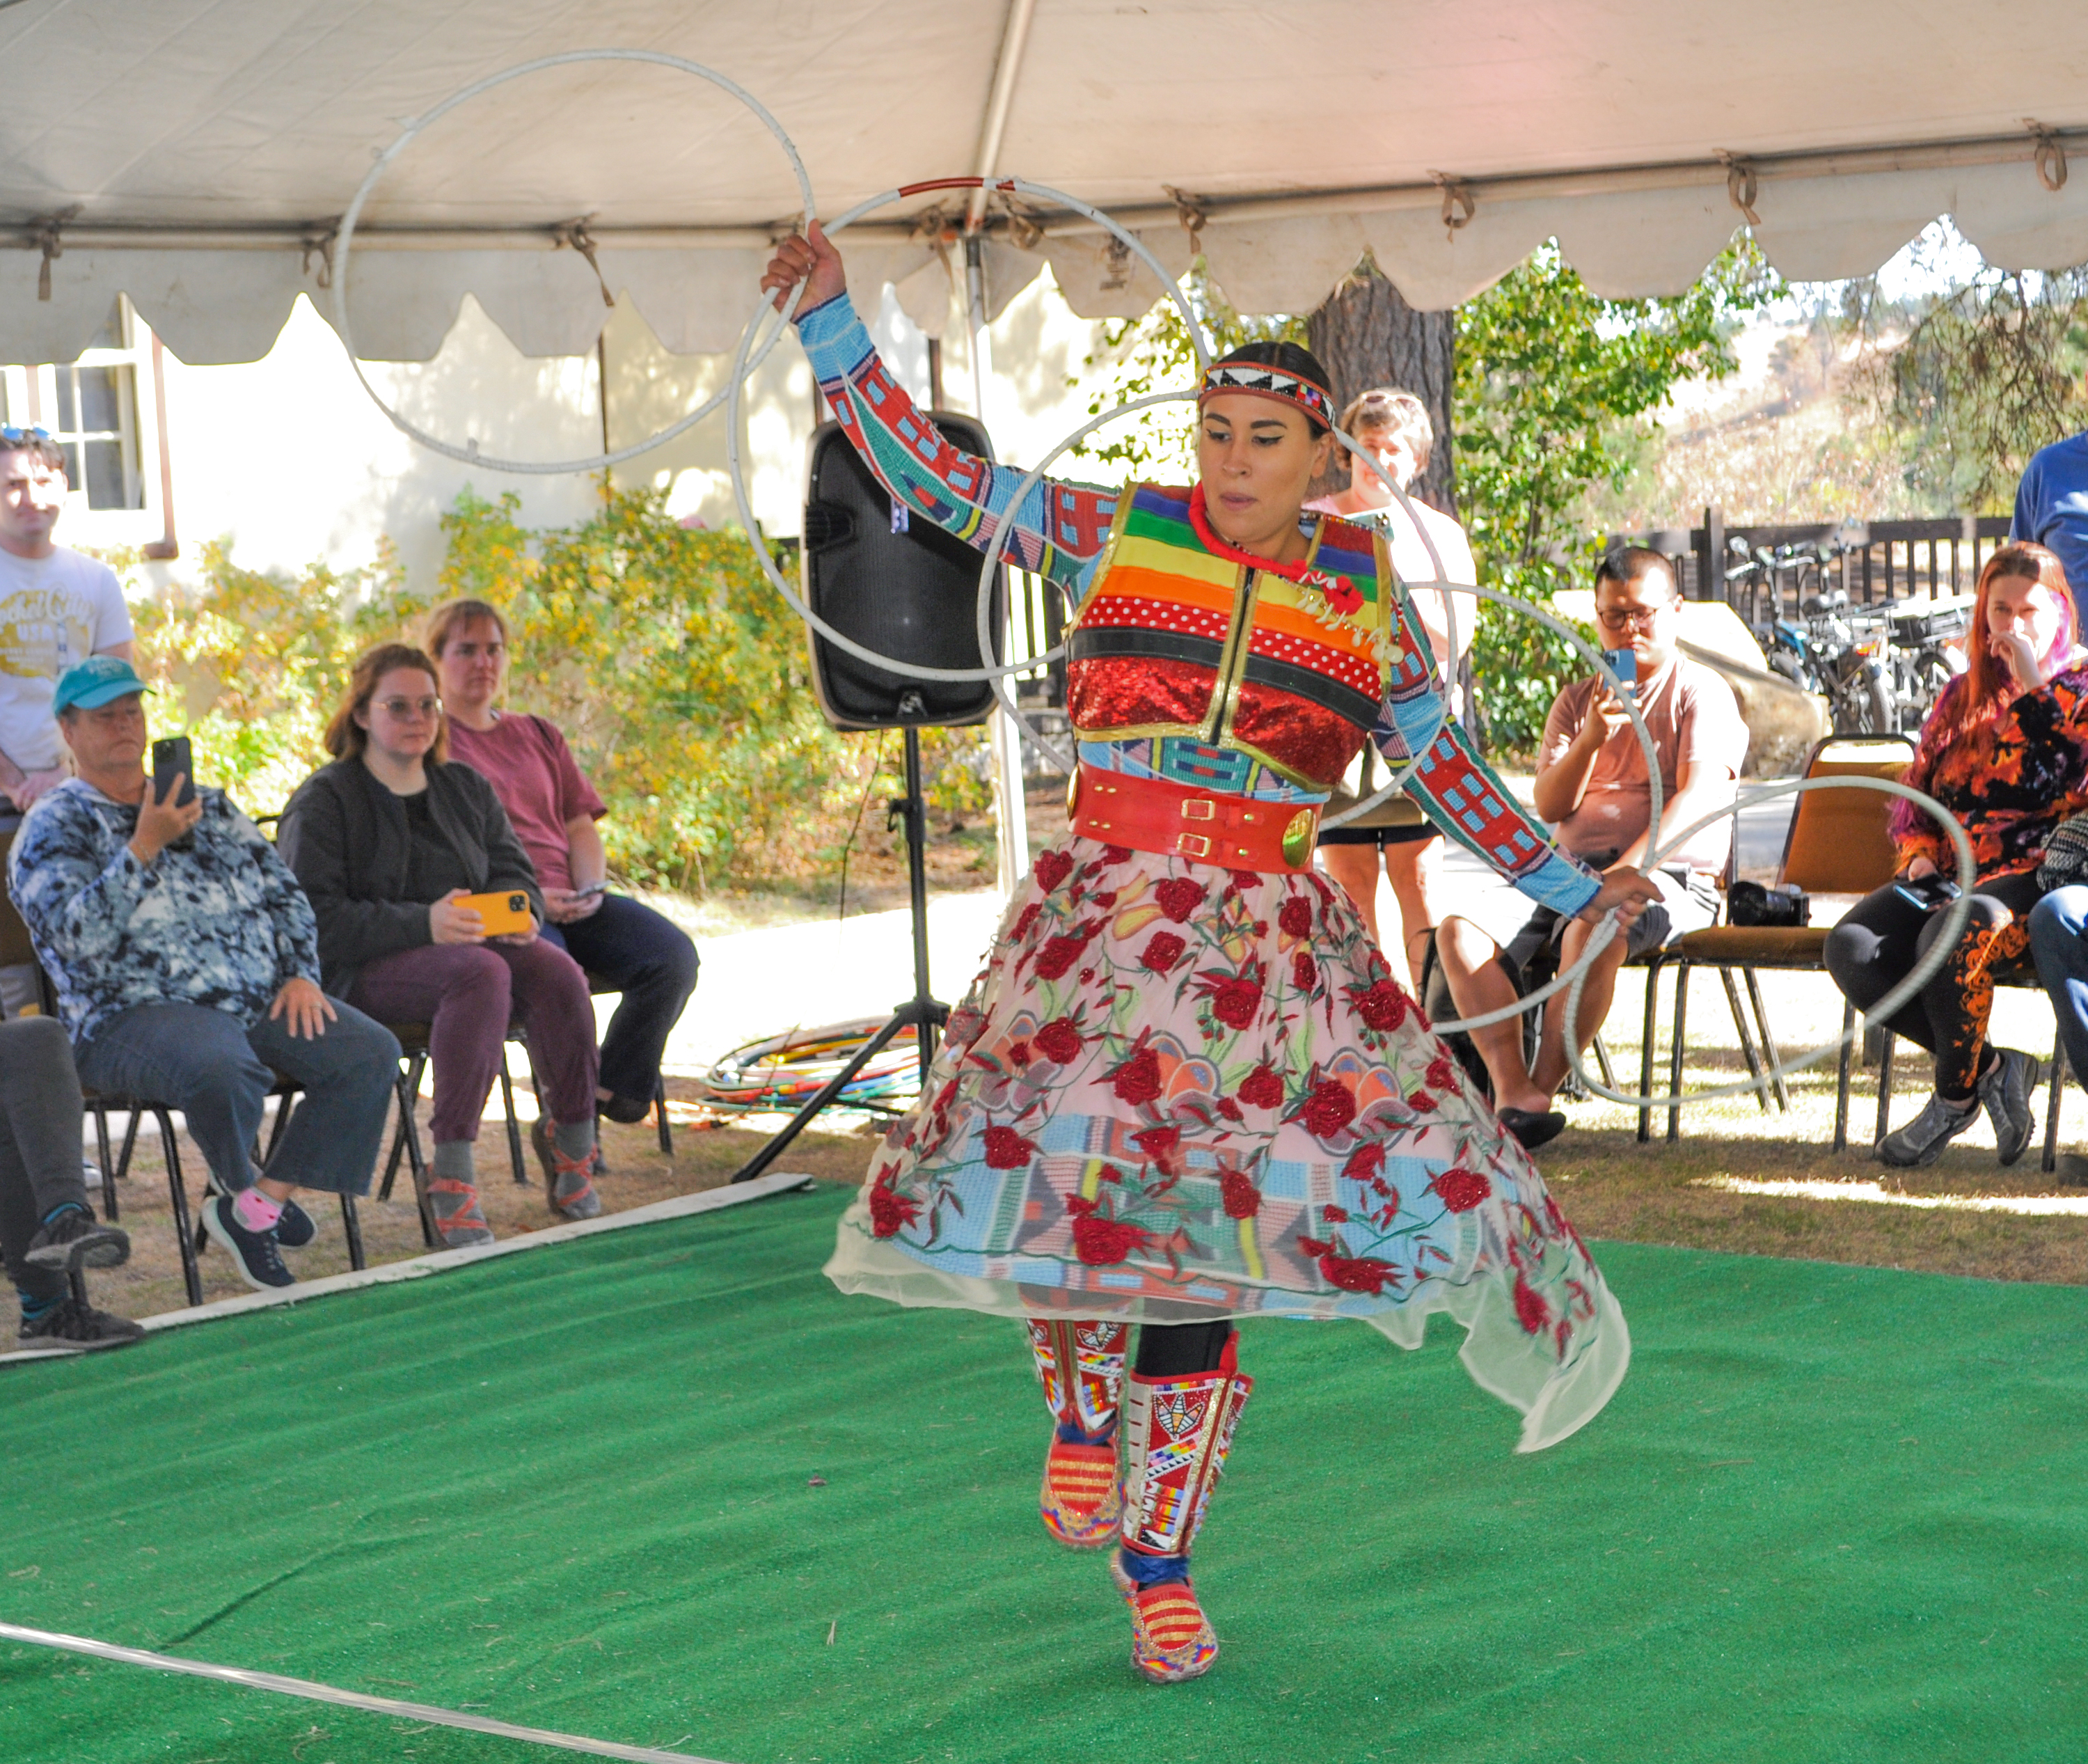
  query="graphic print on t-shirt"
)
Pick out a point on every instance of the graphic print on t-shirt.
point(53, 612)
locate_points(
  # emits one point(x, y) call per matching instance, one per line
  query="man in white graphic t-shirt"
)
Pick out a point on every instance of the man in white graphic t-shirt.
point(57, 608)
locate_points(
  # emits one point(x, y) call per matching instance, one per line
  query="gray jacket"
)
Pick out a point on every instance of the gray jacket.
point(346, 838)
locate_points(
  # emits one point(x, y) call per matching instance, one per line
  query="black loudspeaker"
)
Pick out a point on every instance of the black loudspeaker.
point(906, 591)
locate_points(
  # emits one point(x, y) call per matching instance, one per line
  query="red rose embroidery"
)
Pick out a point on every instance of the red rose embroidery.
point(1441, 1074)
point(1025, 920)
point(1059, 1041)
point(1244, 880)
point(1421, 1102)
point(1328, 1109)
point(1241, 1199)
point(1051, 868)
point(1058, 956)
point(1383, 1006)
point(1365, 1162)
point(1100, 1241)
point(1262, 1088)
point(1235, 1001)
point(1531, 1309)
point(1461, 1190)
point(1006, 1149)
point(889, 1211)
point(1158, 1141)
point(1355, 1274)
point(1018, 1053)
point(1137, 1080)
point(1295, 920)
point(1335, 1215)
point(1304, 972)
point(1179, 896)
point(1229, 1109)
point(1116, 854)
point(1163, 950)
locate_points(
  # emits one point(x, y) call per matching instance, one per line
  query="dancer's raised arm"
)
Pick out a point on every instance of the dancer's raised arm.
point(1059, 528)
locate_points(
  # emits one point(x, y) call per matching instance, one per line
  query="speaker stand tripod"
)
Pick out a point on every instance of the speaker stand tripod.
point(924, 1013)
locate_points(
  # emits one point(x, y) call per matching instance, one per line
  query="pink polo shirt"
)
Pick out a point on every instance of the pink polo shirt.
point(533, 772)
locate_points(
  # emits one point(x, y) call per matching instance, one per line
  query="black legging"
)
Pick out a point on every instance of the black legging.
point(1178, 1349)
point(1884, 934)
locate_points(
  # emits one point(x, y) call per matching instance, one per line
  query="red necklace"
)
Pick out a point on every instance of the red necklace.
point(1342, 595)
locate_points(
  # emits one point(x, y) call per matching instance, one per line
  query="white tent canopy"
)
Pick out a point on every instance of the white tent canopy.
point(197, 154)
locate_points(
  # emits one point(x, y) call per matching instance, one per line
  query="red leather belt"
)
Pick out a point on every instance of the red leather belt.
point(1235, 832)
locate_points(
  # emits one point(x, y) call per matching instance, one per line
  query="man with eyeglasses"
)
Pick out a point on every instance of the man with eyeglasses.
point(186, 961)
point(57, 607)
point(1592, 786)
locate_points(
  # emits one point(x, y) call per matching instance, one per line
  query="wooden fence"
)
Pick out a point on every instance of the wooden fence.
point(1886, 559)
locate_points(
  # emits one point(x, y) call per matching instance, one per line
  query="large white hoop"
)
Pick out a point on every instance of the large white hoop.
point(470, 454)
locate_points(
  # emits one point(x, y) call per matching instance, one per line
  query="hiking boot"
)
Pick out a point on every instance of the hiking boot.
point(459, 1220)
point(75, 1239)
point(568, 1185)
point(1921, 1141)
point(71, 1327)
point(2006, 1090)
point(253, 1254)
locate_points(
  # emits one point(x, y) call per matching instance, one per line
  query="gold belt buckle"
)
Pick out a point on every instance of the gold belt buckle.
point(1199, 808)
point(1192, 845)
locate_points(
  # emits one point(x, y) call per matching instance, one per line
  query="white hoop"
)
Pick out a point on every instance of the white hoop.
point(470, 455)
point(741, 368)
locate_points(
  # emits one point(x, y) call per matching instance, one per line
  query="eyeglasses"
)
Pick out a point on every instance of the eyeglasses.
point(1622, 618)
point(12, 436)
point(399, 709)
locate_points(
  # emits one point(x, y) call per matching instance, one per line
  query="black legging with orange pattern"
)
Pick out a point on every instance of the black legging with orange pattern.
point(1884, 934)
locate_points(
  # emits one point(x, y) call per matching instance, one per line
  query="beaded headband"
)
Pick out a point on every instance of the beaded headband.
point(1266, 382)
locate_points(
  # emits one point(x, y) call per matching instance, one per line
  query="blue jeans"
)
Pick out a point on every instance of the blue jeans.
point(631, 949)
point(218, 1073)
point(2059, 940)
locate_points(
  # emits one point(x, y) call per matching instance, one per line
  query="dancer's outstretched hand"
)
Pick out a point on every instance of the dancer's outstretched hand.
point(811, 258)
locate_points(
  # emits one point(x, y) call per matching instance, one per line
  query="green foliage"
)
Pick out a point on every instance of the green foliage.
point(1553, 385)
point(1155, 353)
point(1970, 381)
point(681, 680)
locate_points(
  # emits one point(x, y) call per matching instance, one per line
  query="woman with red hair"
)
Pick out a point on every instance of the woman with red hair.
point(2005, 750)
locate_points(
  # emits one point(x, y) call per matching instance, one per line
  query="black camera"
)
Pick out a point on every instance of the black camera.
point(1749, 903)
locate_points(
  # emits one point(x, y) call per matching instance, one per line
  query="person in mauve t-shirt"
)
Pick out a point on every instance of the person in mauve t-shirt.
point(1592, 786)
point(625, 945)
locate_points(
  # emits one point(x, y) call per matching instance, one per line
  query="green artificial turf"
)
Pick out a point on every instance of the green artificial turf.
point(1833, 1513)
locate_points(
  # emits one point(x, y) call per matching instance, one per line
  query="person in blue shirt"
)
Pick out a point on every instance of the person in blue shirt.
point(2052, 508)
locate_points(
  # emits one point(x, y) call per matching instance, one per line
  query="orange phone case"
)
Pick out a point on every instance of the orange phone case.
point(506, 911)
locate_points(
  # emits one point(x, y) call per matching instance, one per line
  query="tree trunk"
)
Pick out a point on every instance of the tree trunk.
point(1367, 335)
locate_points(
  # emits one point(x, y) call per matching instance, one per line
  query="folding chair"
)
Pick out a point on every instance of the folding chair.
point(1838, 843)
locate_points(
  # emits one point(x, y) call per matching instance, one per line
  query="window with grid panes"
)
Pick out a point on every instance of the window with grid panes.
point(94, 418)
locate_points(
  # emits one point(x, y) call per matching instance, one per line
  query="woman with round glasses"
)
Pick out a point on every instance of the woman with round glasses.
point(387, 841)
point(1185, 1089)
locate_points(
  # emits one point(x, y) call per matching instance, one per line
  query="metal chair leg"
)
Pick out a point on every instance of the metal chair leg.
point(1770, 1057)
point(2052, 1108)
point(409, 1132)
point(1747, 1039)
point(1646, 1047)
point(1888, 1045)
point(351, 1227)
point(110, 1203)
point(667, 1126)
point(1674, 1053)
point(177, 1193)
point(1602, 1064)
point(514, 1126)
point(284, 1105)
point(408, 1085)
point(1841, 1075)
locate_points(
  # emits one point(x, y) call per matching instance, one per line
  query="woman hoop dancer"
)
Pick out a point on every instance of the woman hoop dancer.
point(1185, 1089)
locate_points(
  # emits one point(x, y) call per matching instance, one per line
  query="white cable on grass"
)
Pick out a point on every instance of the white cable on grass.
point(313, 1691)
point(470, 454)
point(735, 421)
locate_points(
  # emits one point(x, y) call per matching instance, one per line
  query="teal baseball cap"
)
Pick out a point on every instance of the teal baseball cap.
point(99, 680)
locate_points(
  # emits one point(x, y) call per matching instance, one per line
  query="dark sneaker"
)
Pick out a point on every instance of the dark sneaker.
point(75, 1239)
point(1921, 1141)
point(295, 1229)
point(70, 1327)
point(2006, 1091)
point(626, 1111)
point(459, 1220)
point(567, 1185)
point(260, 1262)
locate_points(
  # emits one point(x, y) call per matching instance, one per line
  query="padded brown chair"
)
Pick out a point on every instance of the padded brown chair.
point(1839, 844)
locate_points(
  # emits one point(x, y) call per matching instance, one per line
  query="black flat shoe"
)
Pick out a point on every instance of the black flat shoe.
point(1532, 1128)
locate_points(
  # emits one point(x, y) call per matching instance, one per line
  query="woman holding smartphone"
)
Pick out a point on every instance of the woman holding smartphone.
point(634, 950)
point(391, 843)
point(2005, 750)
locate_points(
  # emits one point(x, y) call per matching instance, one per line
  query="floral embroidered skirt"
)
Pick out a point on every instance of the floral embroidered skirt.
point(1177, 1093)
